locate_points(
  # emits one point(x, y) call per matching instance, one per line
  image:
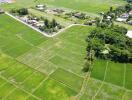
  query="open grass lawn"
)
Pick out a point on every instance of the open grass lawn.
point(34, 67)
point(90, 6)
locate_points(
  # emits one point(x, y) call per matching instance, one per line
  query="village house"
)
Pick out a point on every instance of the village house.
point(130, 22)
point(121, 19)
point(125, 16)
point(1, 11)
point(130, 12)
point(41, 7)
point(129, 34)
point(58, 10)
point(7, 1)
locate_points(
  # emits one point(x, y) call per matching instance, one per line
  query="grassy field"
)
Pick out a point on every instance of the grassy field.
point(90, 6)
point(34, 67)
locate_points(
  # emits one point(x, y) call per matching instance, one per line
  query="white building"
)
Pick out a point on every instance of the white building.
point(121, 19)
point(129, 33)
point(7, 1)
point(40, 7)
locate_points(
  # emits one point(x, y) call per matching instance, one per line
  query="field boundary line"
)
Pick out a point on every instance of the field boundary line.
point(72, 43)
point(19, 87)
point(34, 47)
point(72, 51)
point(48, 76)
point(27, 77)
point(24, 40)
point(84, 85)
point(102, 82)
point(123, 96)
point(72, 72)
point(60, 81)
point(64, 68)
point(43, 33)
point(37, 87)
point(67, 85)
point(40, 84)
point(124, 79)
point(107, 83)
point(31, 67)
point(65, 58)
point(2, 85)
point(9, 93)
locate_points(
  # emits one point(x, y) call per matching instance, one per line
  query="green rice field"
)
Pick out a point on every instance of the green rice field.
point(34, 67)
point(90, 6)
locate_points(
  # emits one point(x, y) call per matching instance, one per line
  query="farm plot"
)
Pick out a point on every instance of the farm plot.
point(53, 90)
point(16, 38)
point(111, 72)
point(60, 51)
point(109, 92)
point(128, 79)
point(26, 82)
point(89, 6)
point(70, 79)
point(91, 89)
point(15, 79)
point(51, 69)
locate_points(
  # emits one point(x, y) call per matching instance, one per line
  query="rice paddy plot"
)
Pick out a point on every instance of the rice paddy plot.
point(6, 89)
point(109, 92)
point(92, 87)
point(66, 64)
point(17, 41)
point(70, 79)
point(33, 81)
point(127, 95)
point(112, 76)
point(53, 90)
point(128, 74)
point(17, 94)
point(91, 7)
point(99, 68)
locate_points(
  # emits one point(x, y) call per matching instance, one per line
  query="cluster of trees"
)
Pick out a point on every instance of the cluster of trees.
point(78, 15)
point(129, 1)
point(22, 11)
point(50, 27)
point(110, 43)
